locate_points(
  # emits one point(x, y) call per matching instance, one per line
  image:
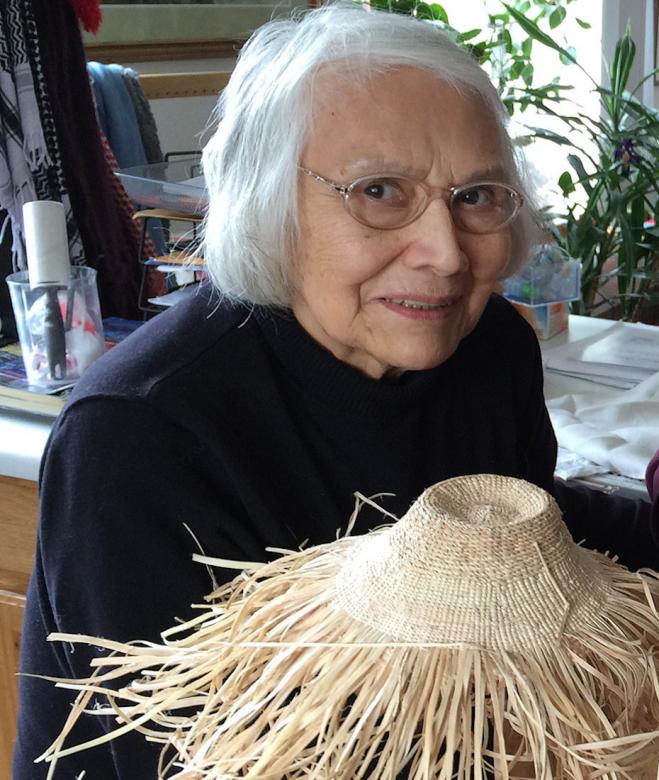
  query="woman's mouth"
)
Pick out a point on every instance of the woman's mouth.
point(420, 307)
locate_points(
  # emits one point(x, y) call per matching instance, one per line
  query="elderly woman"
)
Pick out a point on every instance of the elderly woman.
point(364, 205)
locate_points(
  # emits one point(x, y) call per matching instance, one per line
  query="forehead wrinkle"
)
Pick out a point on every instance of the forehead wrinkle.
point(381, 163)
point(495, 171)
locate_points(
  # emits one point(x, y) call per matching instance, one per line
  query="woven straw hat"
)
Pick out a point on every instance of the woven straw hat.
point(471, 637)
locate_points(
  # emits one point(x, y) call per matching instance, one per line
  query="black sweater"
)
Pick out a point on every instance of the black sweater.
point(240, 428)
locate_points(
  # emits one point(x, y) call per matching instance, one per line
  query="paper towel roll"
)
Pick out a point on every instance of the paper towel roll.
point(46, 243)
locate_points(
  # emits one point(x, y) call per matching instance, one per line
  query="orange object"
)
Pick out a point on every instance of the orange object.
point(548, 319)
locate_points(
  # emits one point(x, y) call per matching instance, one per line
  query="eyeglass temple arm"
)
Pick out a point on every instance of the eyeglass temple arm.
point(342, 190)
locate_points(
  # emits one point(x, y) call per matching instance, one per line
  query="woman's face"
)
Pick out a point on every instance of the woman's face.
point(387, 301)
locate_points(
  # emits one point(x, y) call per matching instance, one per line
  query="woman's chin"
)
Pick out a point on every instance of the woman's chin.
point(422, 360)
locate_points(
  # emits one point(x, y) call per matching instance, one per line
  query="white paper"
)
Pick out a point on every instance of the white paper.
point(620, 356)
point(634, 345)
point(174, 297)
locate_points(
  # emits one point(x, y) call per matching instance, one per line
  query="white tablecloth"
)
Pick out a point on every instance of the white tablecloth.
point(618, 429)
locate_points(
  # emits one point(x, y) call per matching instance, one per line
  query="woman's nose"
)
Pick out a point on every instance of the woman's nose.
point(435, 242)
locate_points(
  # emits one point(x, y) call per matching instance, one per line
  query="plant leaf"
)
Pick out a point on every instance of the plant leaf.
point(469, 34)
point(557, 16)
point(533, 31)
point(550, 135)
point(579, 169)
point(565, 183)
point(622, 63)
point(439, 13)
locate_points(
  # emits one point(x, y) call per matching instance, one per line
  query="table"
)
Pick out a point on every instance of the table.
point(23, 438)
point(579, 328)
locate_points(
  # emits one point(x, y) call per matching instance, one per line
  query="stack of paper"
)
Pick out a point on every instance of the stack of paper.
point(620, 356)
point(176, 296)
point(17, 393)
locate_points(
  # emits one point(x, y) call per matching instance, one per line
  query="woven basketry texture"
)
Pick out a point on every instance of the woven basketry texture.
point(484, 561)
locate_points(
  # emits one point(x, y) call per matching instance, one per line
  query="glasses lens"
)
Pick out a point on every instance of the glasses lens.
point(384, 201)
point(484, 208)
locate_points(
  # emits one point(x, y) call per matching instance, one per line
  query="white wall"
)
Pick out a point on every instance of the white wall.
point(615, 14)
point(182, 122)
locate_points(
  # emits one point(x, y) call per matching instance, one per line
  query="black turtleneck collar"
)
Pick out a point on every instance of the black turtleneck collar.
point(334, 382)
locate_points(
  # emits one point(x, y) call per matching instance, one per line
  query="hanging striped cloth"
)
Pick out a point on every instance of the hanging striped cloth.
point(30, 163)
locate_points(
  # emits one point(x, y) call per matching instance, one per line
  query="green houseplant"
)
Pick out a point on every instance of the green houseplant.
point(607, 215)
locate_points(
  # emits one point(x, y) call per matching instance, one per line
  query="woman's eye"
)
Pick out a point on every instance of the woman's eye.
point(386, 191)
point(476, 196)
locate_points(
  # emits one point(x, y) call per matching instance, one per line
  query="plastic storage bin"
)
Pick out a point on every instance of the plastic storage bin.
point(542, 283)
point(176, 185)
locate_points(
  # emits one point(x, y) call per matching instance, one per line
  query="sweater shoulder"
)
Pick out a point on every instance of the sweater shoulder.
point(503, 331)
point(499, 310)
point(196, 332)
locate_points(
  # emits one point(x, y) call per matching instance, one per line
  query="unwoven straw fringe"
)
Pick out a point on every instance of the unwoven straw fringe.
point(471, 636)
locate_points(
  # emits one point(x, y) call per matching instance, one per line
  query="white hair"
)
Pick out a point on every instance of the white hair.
point(264, 113)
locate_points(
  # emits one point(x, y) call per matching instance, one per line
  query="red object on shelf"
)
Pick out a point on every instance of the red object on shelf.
point(89, 12)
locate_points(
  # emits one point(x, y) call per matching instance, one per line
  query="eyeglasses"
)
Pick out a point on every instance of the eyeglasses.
point(388, 201)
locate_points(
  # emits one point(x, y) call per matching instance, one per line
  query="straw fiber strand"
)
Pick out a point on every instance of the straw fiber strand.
point(472, 636)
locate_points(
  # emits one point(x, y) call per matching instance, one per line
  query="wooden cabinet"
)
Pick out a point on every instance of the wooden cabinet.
point(18, 518)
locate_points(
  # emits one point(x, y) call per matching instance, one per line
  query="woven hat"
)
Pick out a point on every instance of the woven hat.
point(471, 636)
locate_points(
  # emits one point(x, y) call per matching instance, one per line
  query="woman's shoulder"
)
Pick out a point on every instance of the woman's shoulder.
point(185, 340)
point(501, 324)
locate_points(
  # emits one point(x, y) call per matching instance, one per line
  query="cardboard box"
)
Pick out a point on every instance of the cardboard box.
point(548, 319)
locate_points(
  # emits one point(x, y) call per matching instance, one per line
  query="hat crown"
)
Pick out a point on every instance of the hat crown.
point(483, 561)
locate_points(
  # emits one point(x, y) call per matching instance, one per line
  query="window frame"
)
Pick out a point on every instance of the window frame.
point(140, 32)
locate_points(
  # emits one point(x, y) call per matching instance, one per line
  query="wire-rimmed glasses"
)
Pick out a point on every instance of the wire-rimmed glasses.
point(389, 201)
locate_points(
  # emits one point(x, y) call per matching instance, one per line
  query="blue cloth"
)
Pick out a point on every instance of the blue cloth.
point(116, 114)
point(117, 117)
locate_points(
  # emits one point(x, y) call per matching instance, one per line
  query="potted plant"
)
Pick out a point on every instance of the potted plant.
point(608, 217)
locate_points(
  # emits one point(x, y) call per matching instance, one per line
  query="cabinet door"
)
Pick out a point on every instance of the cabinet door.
point(18, 515)
point(12, 607)
point(18, 527)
